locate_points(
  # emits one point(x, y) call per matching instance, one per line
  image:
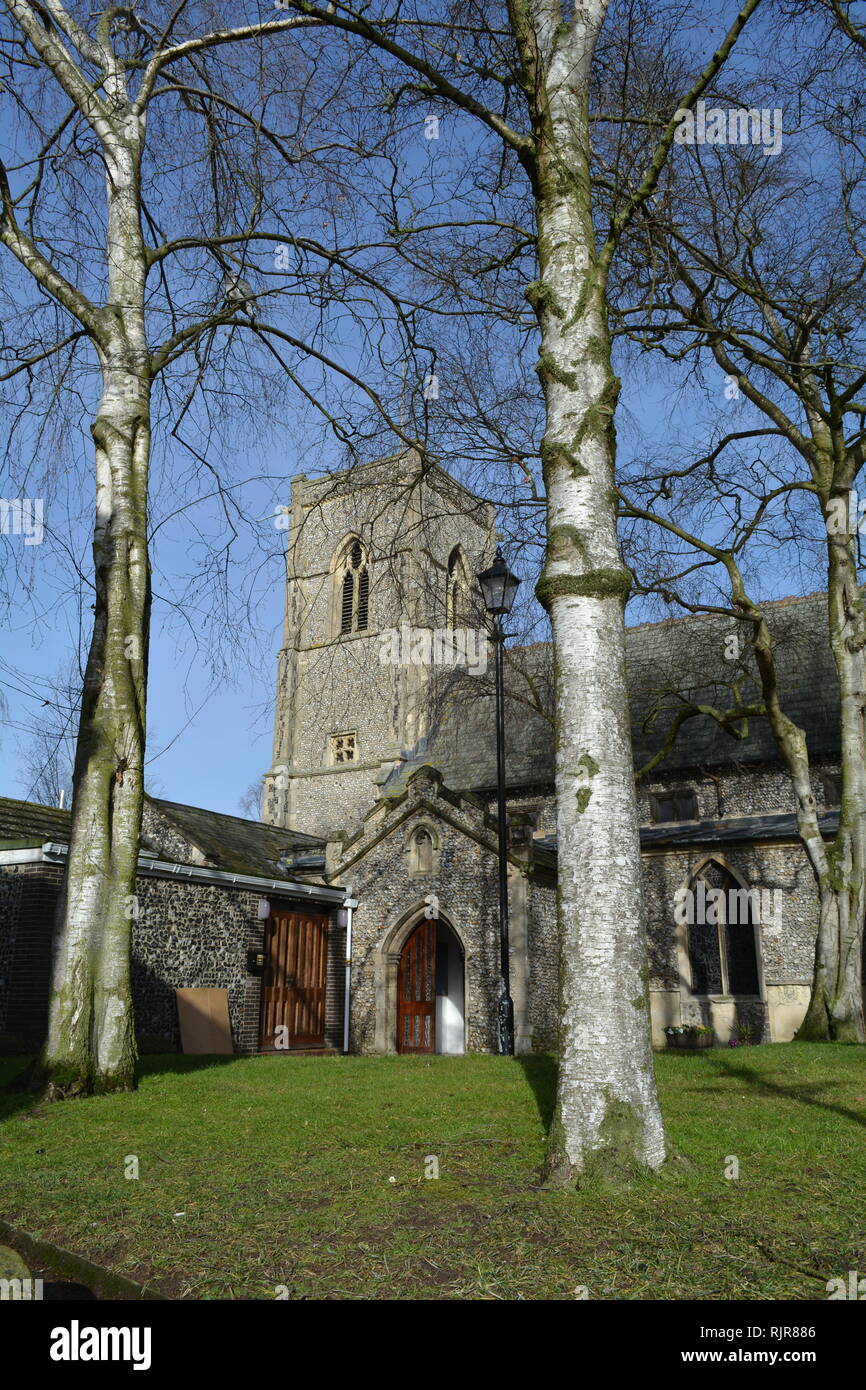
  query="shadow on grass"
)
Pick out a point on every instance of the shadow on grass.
point(155, 1064)
point(802, 1092)
point(14, 1098)
point(541, 1070)
point(11, 1102)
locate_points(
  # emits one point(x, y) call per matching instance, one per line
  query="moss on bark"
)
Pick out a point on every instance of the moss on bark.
point(548, 368)
point(615, 1161)
point(542, 296)
point(600, 583)
point(553, 453)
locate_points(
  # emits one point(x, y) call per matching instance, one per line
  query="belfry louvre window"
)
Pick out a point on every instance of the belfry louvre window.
point(343, 748)
point(354, 590)
point(347, 602)
point(363, 598)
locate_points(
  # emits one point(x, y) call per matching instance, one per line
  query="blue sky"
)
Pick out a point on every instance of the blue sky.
point(210, 707)
point(210, 732)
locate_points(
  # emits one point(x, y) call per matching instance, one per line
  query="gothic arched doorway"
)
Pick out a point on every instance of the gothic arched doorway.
point(430, 990)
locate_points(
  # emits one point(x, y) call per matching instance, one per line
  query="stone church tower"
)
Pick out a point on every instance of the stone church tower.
point(370, 549)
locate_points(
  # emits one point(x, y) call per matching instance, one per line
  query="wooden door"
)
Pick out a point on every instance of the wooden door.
point(293, 985)
point(416, 991)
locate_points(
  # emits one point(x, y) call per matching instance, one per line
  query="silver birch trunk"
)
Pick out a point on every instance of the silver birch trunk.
point(607, 1120)
point(836, 1007)
point(91, 1042)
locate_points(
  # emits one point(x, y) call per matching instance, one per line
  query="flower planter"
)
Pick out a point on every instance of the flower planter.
point(690, 1039)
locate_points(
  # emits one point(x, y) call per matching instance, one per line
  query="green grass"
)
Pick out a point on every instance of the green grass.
point(309, 1173)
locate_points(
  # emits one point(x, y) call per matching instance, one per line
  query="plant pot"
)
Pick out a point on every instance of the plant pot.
point(690, 1040)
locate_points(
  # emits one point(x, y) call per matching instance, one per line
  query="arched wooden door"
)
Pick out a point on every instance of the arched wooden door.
point(416, 991)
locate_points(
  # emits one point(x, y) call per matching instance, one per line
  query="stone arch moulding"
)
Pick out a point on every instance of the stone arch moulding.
point(386, 964)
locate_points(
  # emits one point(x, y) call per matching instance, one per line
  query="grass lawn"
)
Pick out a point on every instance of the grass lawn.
point(309, 1173)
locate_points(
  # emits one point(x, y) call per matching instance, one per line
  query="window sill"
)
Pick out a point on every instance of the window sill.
point(728, 998)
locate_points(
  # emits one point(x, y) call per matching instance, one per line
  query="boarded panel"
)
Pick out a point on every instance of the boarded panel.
point(203, 1015)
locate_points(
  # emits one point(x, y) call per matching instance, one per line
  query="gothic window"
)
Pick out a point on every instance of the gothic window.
point(674, 805)
point(722, 948)
point(422, 851)
point(457, 590)
point(354, 589)
point(344, 748)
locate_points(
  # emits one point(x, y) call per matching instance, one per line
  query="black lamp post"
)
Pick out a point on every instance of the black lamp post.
point(499, 586)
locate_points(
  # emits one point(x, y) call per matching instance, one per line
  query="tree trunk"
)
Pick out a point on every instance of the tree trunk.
point(91, 1042)
point(607, 1120)
point(835, 1010)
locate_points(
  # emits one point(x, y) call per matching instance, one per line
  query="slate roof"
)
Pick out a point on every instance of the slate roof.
point(744, 829)
point(734, 830)
point(689, 655)
point(229, 843)
point(25, 823)
point(237, 845)
point(668, 663)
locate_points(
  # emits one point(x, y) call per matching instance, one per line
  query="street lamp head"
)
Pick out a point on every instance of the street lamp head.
point(498, 585)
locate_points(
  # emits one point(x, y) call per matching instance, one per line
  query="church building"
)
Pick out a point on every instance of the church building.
point(361, 912)
point(384, 748)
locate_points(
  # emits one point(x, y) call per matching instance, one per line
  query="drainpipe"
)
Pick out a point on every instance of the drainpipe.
point(349, 906)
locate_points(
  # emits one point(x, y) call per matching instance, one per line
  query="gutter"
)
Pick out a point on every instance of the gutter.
point(156, 868)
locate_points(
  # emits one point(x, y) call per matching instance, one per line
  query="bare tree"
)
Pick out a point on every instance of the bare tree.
point(515, 81)
point(749, 272)
point(148, 199)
